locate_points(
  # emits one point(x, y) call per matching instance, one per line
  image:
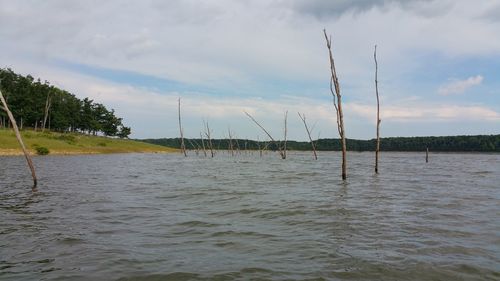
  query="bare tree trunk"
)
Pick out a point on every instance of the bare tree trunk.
point(303, 118)
point(238, 150)
point(47, 108)
point(194, 145)
point(337, 97)
point(427, 155)
point(210, 145)
point(203, 144)
point(183, 146)
point(270, 137)
point(286, 131)
point(377, 148)
point(230, 142)
point(18, 136)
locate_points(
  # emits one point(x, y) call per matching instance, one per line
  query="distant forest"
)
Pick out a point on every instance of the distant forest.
point(37, 105)
point(480, 143)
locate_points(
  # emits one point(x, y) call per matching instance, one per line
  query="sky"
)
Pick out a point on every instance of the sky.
point(438, 63)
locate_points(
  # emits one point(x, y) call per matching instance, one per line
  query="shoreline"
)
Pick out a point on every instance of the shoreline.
point(59, 152)
point(19, 152)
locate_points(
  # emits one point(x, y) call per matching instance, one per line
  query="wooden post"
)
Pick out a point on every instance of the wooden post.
point(337, 102)
point(427, 155)
point(183, 146)
point(19, 139)
point(377, 148)
point(303, 118)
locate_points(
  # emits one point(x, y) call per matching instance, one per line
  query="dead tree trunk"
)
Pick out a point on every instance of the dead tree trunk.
point(47, 108)
point(337, 102)
point(183, 146)
point(231, 148)
point(377, 148)
point(270, 137)
point(18, 136)
point(210, 144)
point(286, 131)
point(203, 144)
point(303, 118)
point(238, 148)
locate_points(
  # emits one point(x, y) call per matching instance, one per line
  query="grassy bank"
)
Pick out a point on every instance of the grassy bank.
point(72, 143)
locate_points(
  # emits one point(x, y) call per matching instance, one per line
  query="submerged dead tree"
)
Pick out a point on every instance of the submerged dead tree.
point(231, 147)
point(19, 139)
point(209, 138)
point(283, 156)
point(183, 146)
point(337, 102)
point(203, 144)
point(377, 148)
point(303, 118)
point(285, 133)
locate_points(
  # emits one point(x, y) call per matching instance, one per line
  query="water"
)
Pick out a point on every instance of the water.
point(166, 217)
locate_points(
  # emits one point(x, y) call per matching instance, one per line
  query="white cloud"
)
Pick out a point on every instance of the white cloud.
point(228, 45)
point(460, 86)
point(218, 42)
point(425, 112)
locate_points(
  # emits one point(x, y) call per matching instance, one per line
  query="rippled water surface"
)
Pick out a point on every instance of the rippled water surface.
point(166, 217)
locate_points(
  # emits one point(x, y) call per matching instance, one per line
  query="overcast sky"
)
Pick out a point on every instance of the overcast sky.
point(439, 62)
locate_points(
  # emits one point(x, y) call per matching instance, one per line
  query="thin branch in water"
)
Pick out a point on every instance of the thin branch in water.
point(286, 131)
point(303, 118)
point(208, 135)
point(267, 133)
point(183, 146)
point(203, 144)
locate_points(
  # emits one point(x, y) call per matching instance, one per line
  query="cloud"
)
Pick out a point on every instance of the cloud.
point(425, 112)
point(460, 86)
point(230, 56)
point(323, 9)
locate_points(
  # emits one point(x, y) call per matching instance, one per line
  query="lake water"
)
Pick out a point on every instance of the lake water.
point(166, 217)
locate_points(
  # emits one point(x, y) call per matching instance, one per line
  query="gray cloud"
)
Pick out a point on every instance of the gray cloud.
point(324, 9)
point(492, 14)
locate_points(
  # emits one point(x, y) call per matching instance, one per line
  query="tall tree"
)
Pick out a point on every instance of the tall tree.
point(303, 118)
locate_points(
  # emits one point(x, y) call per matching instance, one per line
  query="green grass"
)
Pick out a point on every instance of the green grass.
point(72, 143)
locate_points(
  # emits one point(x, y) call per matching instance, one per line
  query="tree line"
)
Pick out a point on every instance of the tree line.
point(479, 143)
point(39, 105)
